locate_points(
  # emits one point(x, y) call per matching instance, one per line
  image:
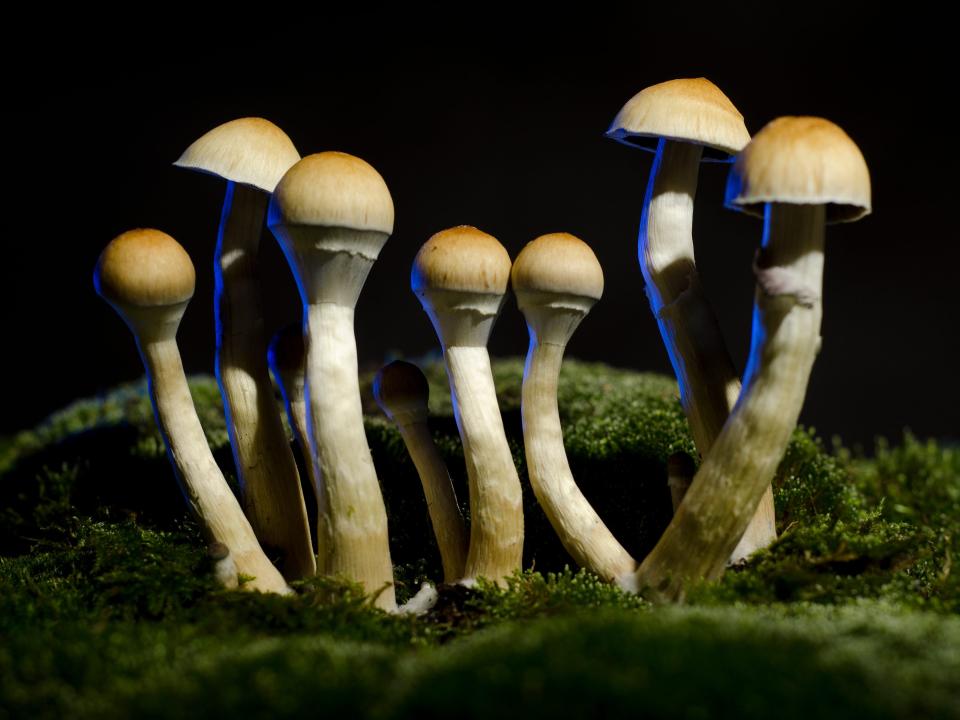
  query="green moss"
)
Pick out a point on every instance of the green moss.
point(108, 609)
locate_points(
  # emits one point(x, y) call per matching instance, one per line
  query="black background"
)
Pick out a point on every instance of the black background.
point(493, 120)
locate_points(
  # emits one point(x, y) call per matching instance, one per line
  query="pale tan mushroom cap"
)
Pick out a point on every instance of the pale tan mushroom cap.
point(463, 259)
point(145, 268)
point(333, 189)
point(803, 161)
point(688, 110)
point(558, 263)
point(400, 385)
point(252, 151)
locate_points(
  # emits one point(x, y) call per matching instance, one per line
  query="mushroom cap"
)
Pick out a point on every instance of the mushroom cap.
point(400, 385)
point(690, 110)
point(144, 268)
point(252, 151)
point(286, 352)
point(558, 263)
point(463, 259)
point(333, 189)
point(802, 161)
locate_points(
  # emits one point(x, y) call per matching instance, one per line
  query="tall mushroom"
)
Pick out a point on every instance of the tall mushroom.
point(402, 392)
point(148, 278)
point(332, 214)
point(557, 279)
point(800, 172)
point(252, 154)
point(460, 276)
point(679, 119)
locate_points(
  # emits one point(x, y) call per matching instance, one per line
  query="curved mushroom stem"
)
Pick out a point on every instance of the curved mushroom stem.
point(291, 381)
point(708, 383)
point(496, 522)
point(445, 516)
point(266, 469)
point(201, 480)
point(583, 533)
point(733, 476)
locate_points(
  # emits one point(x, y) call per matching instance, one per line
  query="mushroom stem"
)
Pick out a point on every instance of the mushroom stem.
point(402, 392)
point(496, 522)
point(354, 528)
point(731, 481)
point(201, 480)
point(445, 516)
point(583, 533)
point(266, 469)
point(708, 383)
point(286, 360)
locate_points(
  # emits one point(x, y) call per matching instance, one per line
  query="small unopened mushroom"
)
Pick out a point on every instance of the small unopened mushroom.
point(402, 392)
point(286, 358)
point(148, 278)
point(557, 279)
point(332, 214)
point(678, 119)
point(800, 172)
point(460, 276)
point(252, 154)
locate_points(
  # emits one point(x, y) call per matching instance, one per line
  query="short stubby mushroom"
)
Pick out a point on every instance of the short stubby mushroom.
point(252, 154)
point(799, 173)
point(402, 392)
point(557, 279)
point(460, 276)
point(148, 278)
point(332, 214)
point(683, 121)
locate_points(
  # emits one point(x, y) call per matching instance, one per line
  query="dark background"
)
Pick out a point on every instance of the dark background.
point(498, 122)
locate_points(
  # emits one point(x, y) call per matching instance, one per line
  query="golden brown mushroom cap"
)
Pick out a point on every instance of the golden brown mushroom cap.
point(462, 258)
point(252, 151)
point(145, 268)
point(333, 189)
point(804, 161)
point(688, 110)
point(558, 263)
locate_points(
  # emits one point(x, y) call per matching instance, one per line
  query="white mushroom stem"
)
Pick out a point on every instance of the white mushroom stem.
point(708, 383)
point(734, 474)
point(266, 469)
point(448, 524)
point(552, 321)
point(332, 265)
point(496, 523)
point(463, 322)
point(201, 480)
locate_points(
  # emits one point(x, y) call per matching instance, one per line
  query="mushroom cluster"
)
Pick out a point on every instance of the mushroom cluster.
point(332, 213)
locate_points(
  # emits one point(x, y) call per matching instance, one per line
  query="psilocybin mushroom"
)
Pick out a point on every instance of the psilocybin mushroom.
point(679, 120)
point(148, 278)
point(460, 276)
point(252, 154)
point(402, 392)
point(332, 214)
point(557, 279)
point(800, 173)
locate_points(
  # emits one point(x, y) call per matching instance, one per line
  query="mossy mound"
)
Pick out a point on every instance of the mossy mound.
point(108, 607)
